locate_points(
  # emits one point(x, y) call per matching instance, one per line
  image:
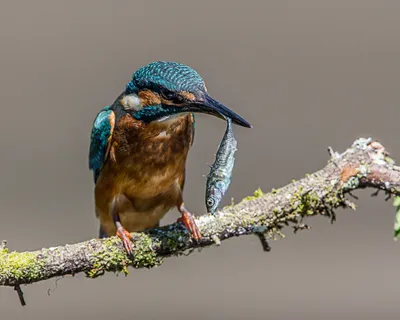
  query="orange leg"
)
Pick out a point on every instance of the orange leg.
point(188, 221)
point(123, 234)
point(125, 237)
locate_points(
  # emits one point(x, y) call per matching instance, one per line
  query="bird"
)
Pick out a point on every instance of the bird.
point(139, 146)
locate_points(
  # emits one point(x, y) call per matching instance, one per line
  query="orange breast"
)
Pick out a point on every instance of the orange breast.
point(146, 159)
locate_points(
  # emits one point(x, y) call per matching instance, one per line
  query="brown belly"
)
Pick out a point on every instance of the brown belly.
point(147, 165)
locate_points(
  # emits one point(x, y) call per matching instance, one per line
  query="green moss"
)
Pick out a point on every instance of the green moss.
point(174, 241)
point(144, 253)
point(304, 203)
point(22, 266)
point(276, 211)
point(257, 194)
point(396, 203)
point(309, 203)
point(274, 234)
point(111, 258)
point(108, 258)
point(389, 161)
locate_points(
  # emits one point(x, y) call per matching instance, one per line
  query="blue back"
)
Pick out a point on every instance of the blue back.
point(102, 130)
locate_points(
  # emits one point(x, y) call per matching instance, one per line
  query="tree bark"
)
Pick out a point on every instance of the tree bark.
point(364, 164)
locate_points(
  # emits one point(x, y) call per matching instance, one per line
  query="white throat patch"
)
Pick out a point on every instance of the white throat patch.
point(172, 117)
point(131, 102)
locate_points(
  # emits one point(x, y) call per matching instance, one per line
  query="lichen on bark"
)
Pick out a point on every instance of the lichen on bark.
point(364, 164)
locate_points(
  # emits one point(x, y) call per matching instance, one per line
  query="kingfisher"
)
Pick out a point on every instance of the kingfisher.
point(139, 146)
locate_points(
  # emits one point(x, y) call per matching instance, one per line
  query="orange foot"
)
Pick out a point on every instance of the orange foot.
point(190, 224)
point(126, 238)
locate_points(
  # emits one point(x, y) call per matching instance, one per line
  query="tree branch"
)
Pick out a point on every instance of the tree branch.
point(364, 164)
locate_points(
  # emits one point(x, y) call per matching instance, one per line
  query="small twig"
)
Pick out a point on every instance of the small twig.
point(3, 244)
point(352, 195)
point(331, 152)
point(350, 204)
point(301, 226)
point(49, 290)
point(20, 294)
point(264, 242)
point(376, 193)
point(334, 156)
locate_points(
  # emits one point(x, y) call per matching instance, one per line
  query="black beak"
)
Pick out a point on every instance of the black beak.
point(213, 107)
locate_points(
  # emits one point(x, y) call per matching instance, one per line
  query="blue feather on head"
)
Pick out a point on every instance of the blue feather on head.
point(171, 88)
point(172, 76)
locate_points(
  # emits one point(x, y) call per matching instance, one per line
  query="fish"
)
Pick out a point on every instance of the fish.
point(219, 178)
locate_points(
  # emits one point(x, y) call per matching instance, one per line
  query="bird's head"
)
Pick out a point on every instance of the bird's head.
point(162, 89)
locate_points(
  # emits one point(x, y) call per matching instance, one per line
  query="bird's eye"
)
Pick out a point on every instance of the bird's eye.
point(167, 94)
point(171, 96)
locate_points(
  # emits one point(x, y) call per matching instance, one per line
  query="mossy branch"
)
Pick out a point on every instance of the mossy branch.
point(364, 164)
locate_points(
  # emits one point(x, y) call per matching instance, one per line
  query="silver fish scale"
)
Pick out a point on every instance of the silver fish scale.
point(219, 178)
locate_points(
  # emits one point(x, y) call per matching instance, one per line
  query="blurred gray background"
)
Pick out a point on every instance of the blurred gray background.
point(307, 74)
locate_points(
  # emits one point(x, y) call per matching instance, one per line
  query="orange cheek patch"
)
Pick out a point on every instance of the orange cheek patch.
point(149, 98)
point(188, 95)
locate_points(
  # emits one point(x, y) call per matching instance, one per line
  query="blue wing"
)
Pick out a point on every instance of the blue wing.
point(100, 140)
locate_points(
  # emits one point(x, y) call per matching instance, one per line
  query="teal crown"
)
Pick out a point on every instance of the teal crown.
point(172, 76)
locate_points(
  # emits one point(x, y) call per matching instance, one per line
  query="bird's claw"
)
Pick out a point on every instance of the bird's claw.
point(188, 220)
point(126, 239)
